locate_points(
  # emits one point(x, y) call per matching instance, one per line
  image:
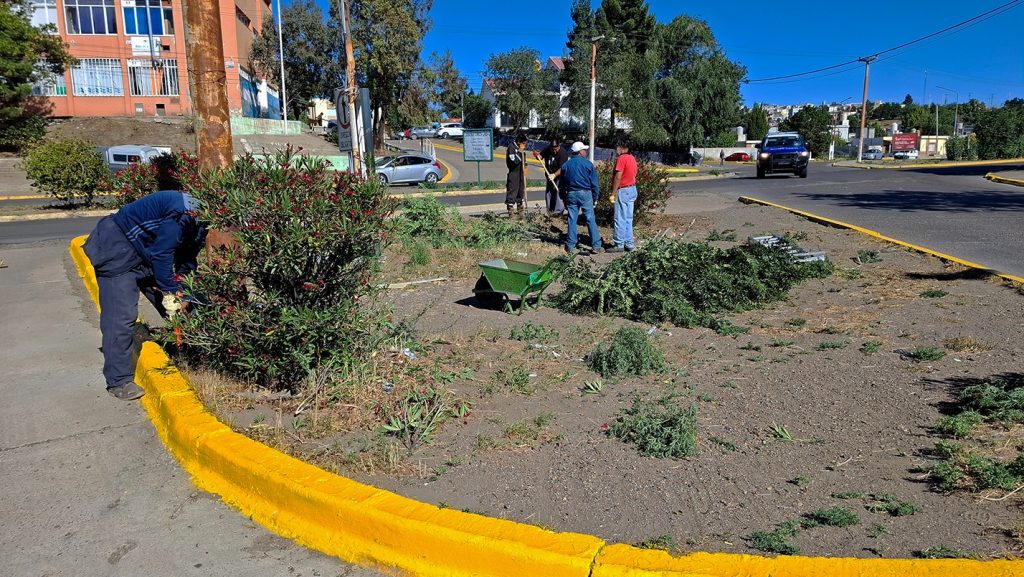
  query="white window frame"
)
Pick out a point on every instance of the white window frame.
point(50, 85)
point(142, 74)
point(97, 77)
point(131, 11)
point(48, 9)
point(73, 16)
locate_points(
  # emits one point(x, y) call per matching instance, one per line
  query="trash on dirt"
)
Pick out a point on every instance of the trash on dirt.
point(402, 285)
point(2, 263)
point(409, 354)
point(387, 387)
point(798, 254)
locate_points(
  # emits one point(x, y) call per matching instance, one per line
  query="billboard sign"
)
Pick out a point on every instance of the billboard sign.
point(904, 142)
point(478, 145)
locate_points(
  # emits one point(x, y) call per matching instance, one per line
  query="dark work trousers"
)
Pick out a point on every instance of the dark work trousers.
point(121, 273)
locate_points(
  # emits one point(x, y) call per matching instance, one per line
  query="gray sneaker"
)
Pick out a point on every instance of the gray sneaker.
point(616, 248)
point(126, 392)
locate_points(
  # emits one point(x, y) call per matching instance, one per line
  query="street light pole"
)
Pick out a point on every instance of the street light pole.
point(864, 108)
point(593, 91)
point(956, 114)
point(280, 48)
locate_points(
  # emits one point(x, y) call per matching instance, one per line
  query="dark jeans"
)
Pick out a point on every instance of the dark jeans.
point(120, 274)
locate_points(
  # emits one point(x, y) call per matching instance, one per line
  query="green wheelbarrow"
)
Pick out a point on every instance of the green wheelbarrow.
point(502, 280)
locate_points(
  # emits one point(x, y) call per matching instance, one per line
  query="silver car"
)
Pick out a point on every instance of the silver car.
point(408, 169)
point(422, 132)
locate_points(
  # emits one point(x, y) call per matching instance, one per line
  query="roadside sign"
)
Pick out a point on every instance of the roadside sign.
point(904, 141)
point(344, 122)
point(478, 145)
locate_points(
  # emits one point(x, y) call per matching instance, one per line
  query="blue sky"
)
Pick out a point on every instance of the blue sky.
point(985, 61)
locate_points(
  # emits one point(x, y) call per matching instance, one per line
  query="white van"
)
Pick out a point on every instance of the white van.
point(449, 130)
point(120, 157)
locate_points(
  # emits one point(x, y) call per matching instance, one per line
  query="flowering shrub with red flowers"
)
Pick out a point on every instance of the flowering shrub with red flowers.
point(652, 191)
point(164, 172)
point(286, 295)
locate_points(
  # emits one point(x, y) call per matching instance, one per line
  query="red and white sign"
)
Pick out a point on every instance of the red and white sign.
point(904, 141)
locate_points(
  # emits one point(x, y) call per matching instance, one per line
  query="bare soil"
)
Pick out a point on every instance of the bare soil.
point(859, 422)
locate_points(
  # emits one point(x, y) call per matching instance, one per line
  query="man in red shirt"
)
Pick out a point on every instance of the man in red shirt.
point(624, 196)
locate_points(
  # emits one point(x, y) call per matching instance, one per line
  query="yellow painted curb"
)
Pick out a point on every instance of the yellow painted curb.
point(1003, 180)
point(362, 524)
point(26, 197)
point(627, 561)
point(869, 232)
point(932, 164)
point(448, 176)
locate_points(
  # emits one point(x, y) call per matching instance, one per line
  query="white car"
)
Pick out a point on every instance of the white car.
point(905, 155)
point(449, 130)
point(872, 154)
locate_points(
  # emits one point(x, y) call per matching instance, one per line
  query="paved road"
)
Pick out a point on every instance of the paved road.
point(88, 489)
point(27, 231)
point(951, 210)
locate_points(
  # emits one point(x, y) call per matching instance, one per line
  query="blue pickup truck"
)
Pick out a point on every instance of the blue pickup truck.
point(783, 152)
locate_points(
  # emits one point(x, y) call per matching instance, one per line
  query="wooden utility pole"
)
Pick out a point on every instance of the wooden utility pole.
point(352, 91)
point(204, 47)
point(864, 109)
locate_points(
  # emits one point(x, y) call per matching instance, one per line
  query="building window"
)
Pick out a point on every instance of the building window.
point(157, 77)
point(44, 12)
point(50, 85)
point(144, 17)
point(97, 77)
point(90, 17)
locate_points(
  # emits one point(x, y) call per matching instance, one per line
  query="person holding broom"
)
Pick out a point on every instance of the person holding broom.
point(553, 157)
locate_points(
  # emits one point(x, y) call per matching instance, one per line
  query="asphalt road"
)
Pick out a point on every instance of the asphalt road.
point(951, 210)
point(28, 231)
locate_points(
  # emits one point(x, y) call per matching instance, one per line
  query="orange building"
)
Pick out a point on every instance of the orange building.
point(132, 57)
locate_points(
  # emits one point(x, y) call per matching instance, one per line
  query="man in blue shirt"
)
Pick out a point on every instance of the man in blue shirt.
point(150, 242)
point(579, 180)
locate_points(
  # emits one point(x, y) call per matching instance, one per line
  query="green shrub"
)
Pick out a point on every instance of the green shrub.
point(22, 133)
point(998, 399)
point(427, 220)
point(960, 425)
point(870, 347)
point(630, 353)
point(137, 180)
point(660, 428)
point(416, 415)
point(532, 333)
point(683, 283)
point(926, 354)
point(66, 169)
point(834, 517)
point(286, 298)
point(652, 191)
point(777, 541)
point(961, 468)
point(943, 552)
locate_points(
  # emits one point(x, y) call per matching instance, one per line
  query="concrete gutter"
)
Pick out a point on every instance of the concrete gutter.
point(365, 525)
point(853, 164)
point(880, 236)
point(1003, 180)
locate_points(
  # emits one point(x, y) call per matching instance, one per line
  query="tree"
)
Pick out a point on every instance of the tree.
point(448, 86)
point(28, 55)
point(314, 63)
point(814, 125)
point(908, 100)
point(757, 123)
point(477, 111)
point(388, 36)
point(887, 111)
point(1000, 131)
point(413, 108)
point(521, 85)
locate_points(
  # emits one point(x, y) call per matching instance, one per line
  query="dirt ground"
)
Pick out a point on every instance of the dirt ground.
point(859, 422)
point(170, 131)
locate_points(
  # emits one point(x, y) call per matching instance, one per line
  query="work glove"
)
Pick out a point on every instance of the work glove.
point(172, 305)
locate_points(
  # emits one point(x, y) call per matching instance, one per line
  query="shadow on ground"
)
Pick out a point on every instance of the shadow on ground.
point(924, 200)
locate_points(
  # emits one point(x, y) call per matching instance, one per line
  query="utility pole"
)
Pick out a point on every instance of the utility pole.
point(208, 80)
point(956, 114)
point(593, 92)
point(864, 108)
point(280, 52)
point(351, 90)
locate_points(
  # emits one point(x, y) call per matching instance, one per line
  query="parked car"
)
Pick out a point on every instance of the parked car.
point(738, 157)
point(408, 169)
point(783, 152)
point(120, 157)
point(905, 155)
point(405, 134)
point(422, 132)
point(872, 154)
point(449, 130)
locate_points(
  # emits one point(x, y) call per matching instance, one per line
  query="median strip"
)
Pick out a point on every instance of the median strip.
point(365, 525)
point(880, 236)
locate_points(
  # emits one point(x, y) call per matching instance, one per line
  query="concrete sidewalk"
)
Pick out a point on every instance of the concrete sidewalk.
point(88, 488)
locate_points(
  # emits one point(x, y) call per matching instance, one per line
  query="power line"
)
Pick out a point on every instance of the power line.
point(960, 25)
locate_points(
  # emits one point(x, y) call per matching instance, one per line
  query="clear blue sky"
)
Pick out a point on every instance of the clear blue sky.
point(985, 61)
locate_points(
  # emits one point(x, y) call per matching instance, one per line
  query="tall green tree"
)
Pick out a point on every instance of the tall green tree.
point(814, 125)
point(477, 110)
point(388, 37)
point(908, 100)
point(27, 54)
point(449, 86)
point(757, 123)
point(314, 62)
point(522, 85)
point(1000, 131)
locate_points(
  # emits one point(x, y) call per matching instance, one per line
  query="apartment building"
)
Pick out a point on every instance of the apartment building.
point(132, 57)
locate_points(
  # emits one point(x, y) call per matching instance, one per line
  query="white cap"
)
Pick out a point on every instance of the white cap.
point(578, 146)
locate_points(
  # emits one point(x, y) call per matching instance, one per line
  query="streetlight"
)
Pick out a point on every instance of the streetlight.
point(956, 115)
point(280, 47)
point(835, 128)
